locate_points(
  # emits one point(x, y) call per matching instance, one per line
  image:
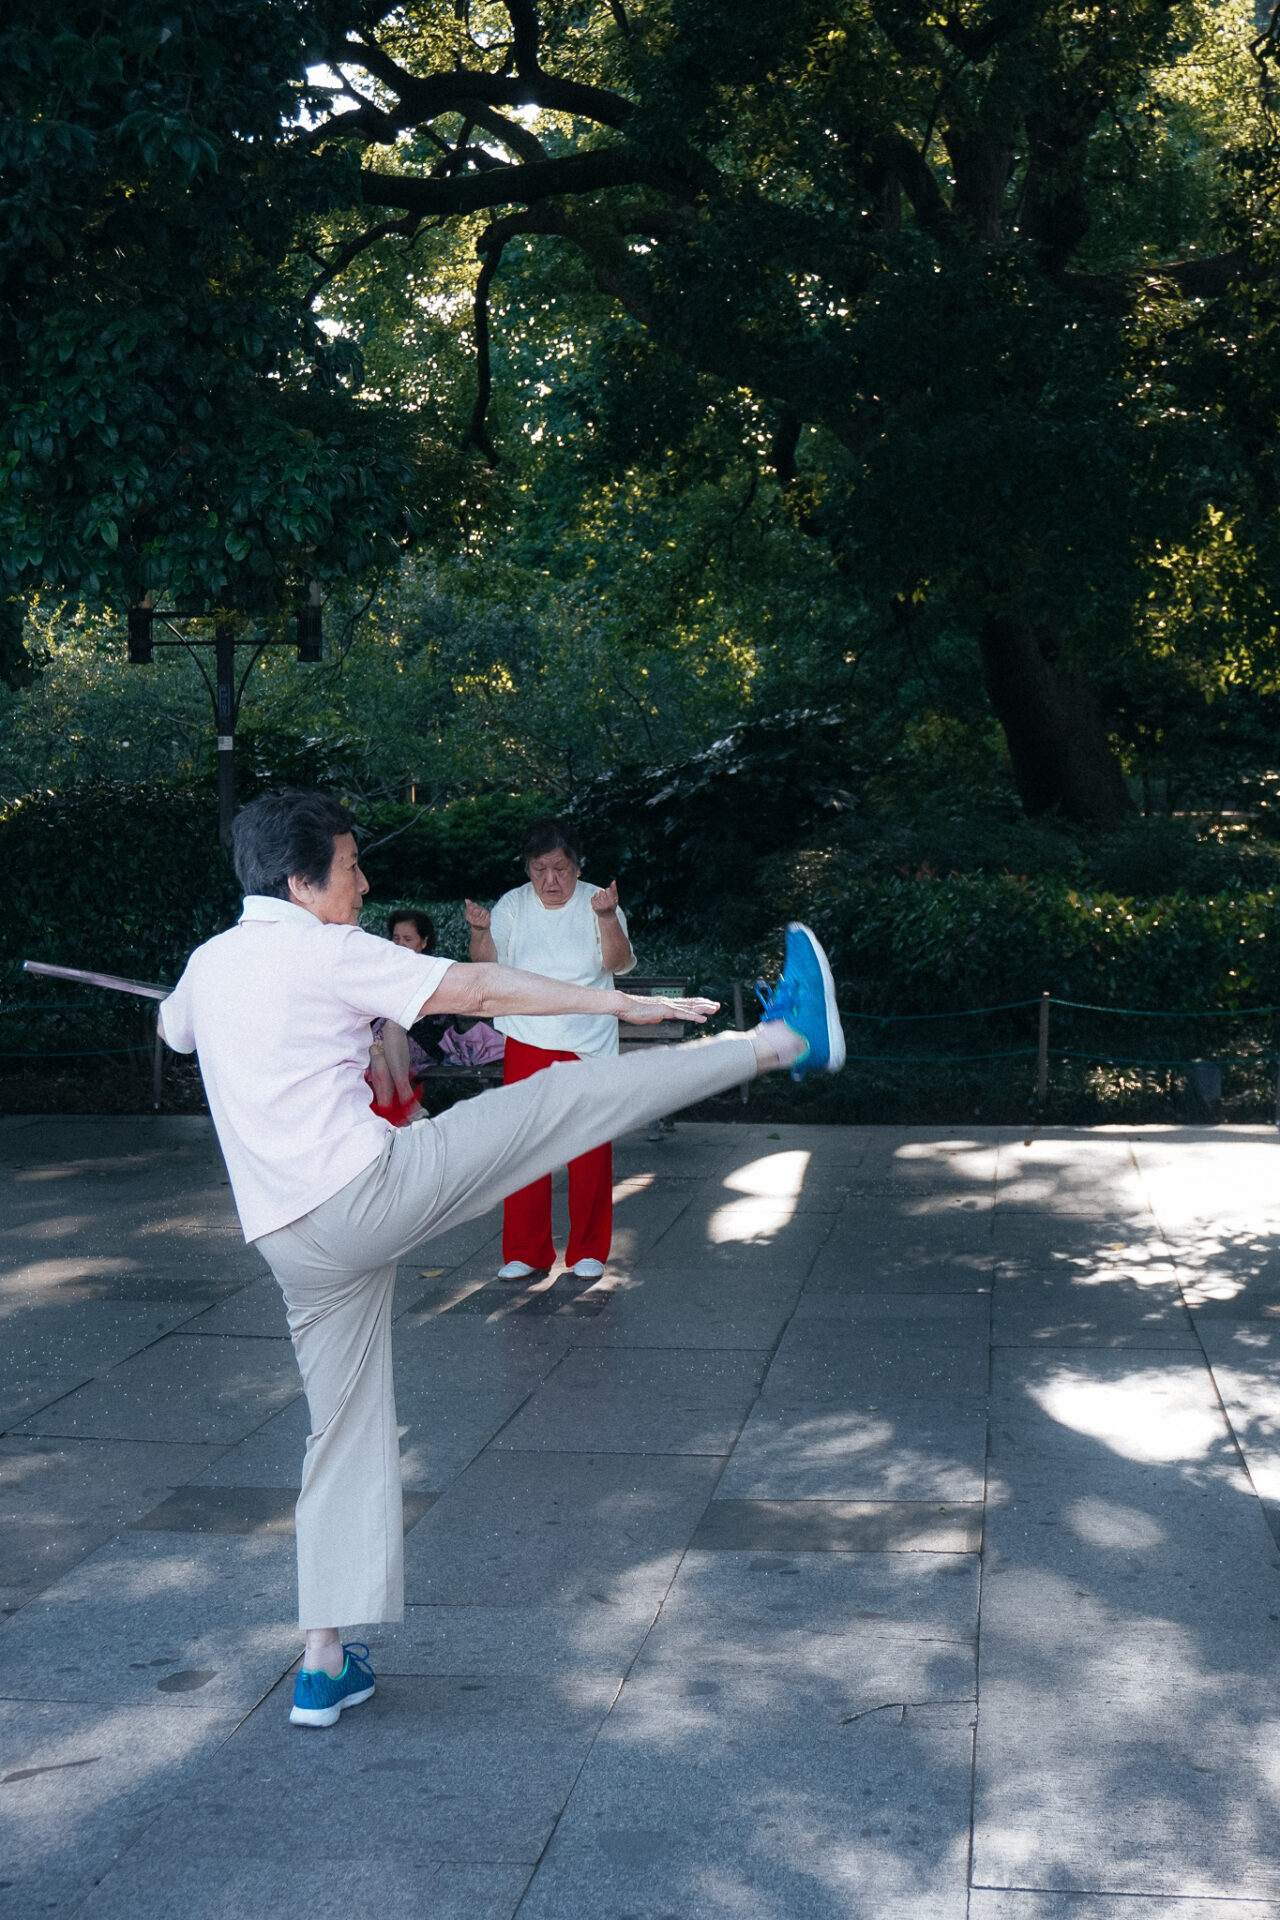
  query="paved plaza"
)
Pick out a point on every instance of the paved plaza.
point(891, 1536)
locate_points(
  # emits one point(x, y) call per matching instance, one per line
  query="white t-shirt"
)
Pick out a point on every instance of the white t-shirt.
point(564, 943)
point(278, 1009)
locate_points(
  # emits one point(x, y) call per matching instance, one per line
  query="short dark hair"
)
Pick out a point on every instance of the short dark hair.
point(550, 835)
point(423, 924)
point(282, 834)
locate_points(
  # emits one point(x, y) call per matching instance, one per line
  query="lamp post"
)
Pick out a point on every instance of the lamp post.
point(224, 693)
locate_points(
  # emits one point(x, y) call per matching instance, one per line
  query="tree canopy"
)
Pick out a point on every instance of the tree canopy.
point(973, 306)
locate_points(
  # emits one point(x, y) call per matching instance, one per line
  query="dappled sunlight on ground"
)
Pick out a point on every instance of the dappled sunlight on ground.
point(1150, 1413)
point(707, 1553)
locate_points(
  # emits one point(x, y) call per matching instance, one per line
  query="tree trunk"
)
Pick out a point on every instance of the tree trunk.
point(1061, 760)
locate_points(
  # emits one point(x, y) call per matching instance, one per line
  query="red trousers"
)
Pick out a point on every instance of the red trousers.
point(526, 1216)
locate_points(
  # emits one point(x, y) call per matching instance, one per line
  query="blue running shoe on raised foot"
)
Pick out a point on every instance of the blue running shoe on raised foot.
point(805, 998)
point(319, 1697)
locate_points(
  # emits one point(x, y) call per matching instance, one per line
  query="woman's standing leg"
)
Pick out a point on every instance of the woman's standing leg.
point(526, 1215)
point(591, 1206)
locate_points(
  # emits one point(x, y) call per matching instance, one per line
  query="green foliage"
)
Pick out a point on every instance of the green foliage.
point(937, 943)
point(118, 878)
point(465, 847)
point(682, 836)
point(177, 421)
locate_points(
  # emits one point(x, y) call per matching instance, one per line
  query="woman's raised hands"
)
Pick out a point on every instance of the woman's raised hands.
point(475, 916)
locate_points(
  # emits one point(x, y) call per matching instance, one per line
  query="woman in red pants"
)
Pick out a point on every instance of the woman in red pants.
point(560, 926)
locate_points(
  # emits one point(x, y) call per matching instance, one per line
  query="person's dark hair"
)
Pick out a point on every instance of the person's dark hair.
point(422, 923)
point(550, 835)
point(280, 834)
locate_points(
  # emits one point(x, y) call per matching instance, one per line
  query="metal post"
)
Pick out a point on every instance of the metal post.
point(1042, 1060)
point(157, 1068)
point(225, 722)
point(740, 1022)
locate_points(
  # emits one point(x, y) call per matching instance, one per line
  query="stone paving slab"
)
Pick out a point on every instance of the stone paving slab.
point(48, 1350)
point(763, 1799)
point(1050, 1313)
point(1143, 1763)
point(60, 1499)
point(183, 1389)
point(757, 1237)
point(599, 1634)
point(899, 1268)
point(891, 1450)
point(839, 1526)
point(1083, 1407)
point(460, 1767)
point(196, 1619)
point(830, 1358)
point(964, 1388)
point(889, 1628)
point(994, 1904)
point(257, 1510)
point(689, 1309)
point(639, 1400)
point(79, 1786)
point(533, 1529)
point(1245, 1357)
point(256, 1309)
point(222, 1886)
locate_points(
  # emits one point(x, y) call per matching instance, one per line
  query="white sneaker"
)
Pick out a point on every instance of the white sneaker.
point(588, 1270)
point(516, 1270)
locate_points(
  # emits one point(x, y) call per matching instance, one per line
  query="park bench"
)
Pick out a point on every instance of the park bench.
point(665, 1032)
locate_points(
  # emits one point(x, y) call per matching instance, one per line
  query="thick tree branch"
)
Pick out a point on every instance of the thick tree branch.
point(524, 27)
point(572, 173)
point(423, 97)
point(922, 190)
point(1199, 279)
point(517, 139)
point(478, 431)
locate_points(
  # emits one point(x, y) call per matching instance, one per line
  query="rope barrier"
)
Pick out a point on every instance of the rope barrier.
point(1166, 1013)
point(1138, 1060)
point(1081, 1006)
point(941, 1059)
point(962, 1013)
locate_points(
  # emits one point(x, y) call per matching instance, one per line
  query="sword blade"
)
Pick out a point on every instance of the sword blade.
point(143, 988)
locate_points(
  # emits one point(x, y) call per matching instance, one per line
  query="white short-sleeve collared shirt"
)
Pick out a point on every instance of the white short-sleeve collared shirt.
point(278, 1010)
point(564, 943)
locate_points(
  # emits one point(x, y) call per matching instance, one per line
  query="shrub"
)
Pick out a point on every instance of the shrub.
point(676, 835)
point(931, 943)
point(126, 879)
point(468, 846)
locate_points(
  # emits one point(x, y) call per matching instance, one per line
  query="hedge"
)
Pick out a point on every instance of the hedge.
point(123, 878)
point(931, 943)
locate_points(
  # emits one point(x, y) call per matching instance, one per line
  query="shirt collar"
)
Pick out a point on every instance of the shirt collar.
point(260, 906)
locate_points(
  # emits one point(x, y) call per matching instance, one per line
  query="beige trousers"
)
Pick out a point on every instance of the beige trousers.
point(337, 1269)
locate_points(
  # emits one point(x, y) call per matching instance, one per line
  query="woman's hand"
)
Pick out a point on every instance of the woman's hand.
point(478, 917)
point(639, 1010)
point(606, 901)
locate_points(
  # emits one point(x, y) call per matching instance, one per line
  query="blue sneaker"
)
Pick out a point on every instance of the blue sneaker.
point(319, 1697)
point(805, 999)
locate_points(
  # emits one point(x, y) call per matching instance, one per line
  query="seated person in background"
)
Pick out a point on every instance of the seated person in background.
point(398, 1060)
point(410, 927)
